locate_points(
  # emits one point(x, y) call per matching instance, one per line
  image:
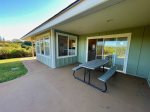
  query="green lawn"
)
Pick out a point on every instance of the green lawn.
point(12, 68)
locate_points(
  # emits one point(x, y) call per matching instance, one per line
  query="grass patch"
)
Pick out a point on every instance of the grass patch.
point(6, 69)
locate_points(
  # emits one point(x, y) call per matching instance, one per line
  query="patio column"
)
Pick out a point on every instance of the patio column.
point(53, 49)
point(32, 42)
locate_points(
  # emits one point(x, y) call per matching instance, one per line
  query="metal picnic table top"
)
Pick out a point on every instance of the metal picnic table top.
point(94, 64)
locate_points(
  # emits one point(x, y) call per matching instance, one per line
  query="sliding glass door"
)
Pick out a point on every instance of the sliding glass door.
point(99, 48)
point(121, 50)
point(109, 50)
point(113, 48)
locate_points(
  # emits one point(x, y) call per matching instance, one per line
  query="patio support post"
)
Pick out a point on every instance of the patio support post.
point(32, 42)
point(53, 49)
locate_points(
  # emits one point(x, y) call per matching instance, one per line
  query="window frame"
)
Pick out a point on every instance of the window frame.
point(38, 45)
point(39, 41)
point(128, 35)
point(44, 38)
point(42, 41)
point(69, 37)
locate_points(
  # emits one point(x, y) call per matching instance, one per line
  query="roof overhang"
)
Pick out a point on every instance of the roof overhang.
point(78, 9)
point(91, 16)
point(125, 14)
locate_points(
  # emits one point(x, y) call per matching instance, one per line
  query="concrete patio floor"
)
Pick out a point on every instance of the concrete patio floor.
point(55, 90)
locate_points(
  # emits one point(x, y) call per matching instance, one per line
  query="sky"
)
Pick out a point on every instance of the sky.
point(18, 17)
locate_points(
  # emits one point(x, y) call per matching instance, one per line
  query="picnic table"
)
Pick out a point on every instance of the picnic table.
point(92, 65)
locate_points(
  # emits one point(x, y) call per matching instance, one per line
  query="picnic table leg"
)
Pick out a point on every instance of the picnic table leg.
point(105, 87)
point(89, 76)
point(84, 74)
point(74, 74)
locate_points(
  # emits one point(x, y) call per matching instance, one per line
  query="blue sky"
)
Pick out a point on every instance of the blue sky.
point(18, 17)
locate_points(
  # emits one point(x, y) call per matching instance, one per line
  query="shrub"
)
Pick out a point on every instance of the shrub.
point(4, 53)
point(9, 52)
point(15, 53)
point(10, 44)
point(14, 50)
point(25, 46)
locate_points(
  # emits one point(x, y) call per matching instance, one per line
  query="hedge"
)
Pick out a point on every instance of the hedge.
point(8, 52)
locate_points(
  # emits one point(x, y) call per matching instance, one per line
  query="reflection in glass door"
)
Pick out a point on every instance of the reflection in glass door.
point(112, 48)
point(121, 48)
point(99, 49)
point(91, 49)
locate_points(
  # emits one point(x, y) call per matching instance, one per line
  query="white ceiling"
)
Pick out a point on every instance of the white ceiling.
point(129, 13)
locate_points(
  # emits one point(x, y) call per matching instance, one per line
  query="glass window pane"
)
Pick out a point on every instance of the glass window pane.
point(62, 45)
point(99, 49)
point(114, 49)
point(121, 48)
point(47, 41)
point(72, 46)
point(37, 47)
point(91, 49)
point(42, 46)
point(110, 50)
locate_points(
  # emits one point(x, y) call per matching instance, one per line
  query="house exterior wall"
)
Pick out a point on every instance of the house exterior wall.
point(148, 80)
point(59, 62)
point(138, 57)
point(144, 60)
point(40, 57)
point(44, 60)
point(66, 60)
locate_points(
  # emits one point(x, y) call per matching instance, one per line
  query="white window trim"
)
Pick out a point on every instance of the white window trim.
point(43, 39)
point(73, 37)
point(37, 42)
point(128, 35)
point(69, 36)
point(48, 46)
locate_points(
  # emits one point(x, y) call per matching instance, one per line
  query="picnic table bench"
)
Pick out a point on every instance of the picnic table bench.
point(92, 65)
point(76, 69)
point(106, 76)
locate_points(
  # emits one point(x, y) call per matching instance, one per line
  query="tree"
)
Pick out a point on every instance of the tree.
point(17, 41)
point(27, 43)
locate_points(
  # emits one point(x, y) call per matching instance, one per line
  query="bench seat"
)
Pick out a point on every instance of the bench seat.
point(106, 76)
point(76, 69)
